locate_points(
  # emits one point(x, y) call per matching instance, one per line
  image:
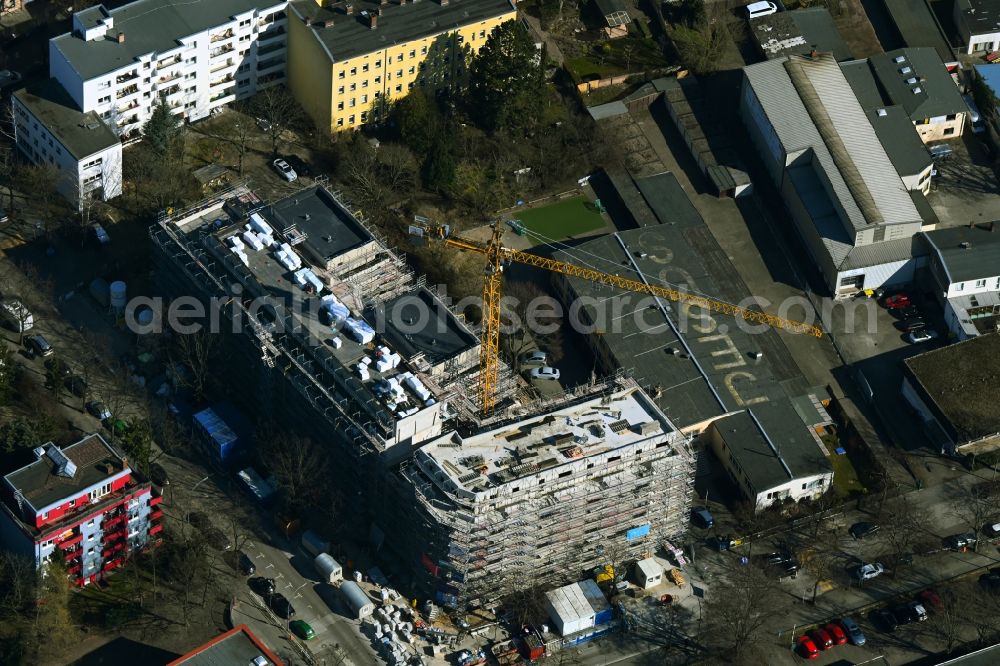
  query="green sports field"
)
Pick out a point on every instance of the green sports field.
point(558, 221)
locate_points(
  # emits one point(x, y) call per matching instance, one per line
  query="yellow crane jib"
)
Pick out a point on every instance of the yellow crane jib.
point(496, 254)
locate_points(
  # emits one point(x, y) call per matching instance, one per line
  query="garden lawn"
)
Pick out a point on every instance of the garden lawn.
point(558, 221)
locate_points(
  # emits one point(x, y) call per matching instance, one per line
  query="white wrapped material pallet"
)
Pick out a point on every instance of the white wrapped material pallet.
point(235, 242)
point(336, 343)
point(242, 257)
point(266, 239)
point(382, 365)
point(362, 371)
point(292, 256)
point(252, 241)
point(257, 223)
point(359, 330)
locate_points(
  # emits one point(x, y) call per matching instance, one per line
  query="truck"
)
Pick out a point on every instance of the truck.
point(16, 316)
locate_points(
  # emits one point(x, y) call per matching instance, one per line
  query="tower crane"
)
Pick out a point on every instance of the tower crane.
point(497, 254)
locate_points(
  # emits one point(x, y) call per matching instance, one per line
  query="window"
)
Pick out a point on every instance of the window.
point(399, 88)
point(351, 120)
point(482, 34)
point(104, 100)
point(951, 116)
point(340, 106)
point(340, 90)
point(378, 79)
point(245, 23)
point(364, 99)
point(364, 116)
point(354, 86)
point(104, 85)
point(413, 53)
point(960, 286)
point(949, 130)
point(364, 84)
point(412, 71)
point(45, 515)
point(399, 73)
point(244, 38)
point(364, 68)
point(423, 50)
point(980, 284)
point(351, 104)
point(340, 122)
point(354, 71)
point(341, 74)
point(378, 63)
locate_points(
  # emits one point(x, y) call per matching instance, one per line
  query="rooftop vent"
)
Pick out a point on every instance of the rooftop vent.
point(965, 245)
point(905, 70)
point(121, 37)
point(910, 81)
point(39, 452)
point(899, 59)
point(917, 90)
point(882, 113)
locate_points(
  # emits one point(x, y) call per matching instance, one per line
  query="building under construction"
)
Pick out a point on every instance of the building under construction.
point(545, 500)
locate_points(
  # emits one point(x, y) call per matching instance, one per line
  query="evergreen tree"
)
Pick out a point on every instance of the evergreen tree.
point(162, 130)
point(439, 167)
point(417, 121)
point(507, 81)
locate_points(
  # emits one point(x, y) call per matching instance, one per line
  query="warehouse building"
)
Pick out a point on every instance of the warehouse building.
point(799, 32)
point(847, 202)
point(949, 388)
point(544, 500)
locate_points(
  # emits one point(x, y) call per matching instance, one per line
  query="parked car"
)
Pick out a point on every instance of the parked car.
point(822, 639)
point(940, 151)
point(884, 620)
point(8, 77)
point(862, 530)
point(536, 357)
point(908, 312)
point(930, 600)
point(545, 373)
point(806, 648)
point(762, 8)
point(897, 301)
point(916, 337)
point(37, 345)
point(286, 171)
point(76, 385)
point(280, 605)
point(869, 571)
point(853, 631)
point(992, 530)
point(263, 124)
point(98, 410)
point(216, 538)
point(302, 629)
point(247, 567)
point(100, 234)
point(836, 633)
point(702, 518)
point(262, 586)
point(915, 324)
point(58, 367)
point(781, 565)
point(960, 541)
point(910, 613)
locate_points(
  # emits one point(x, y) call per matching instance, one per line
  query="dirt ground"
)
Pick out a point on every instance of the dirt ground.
point(853, 25)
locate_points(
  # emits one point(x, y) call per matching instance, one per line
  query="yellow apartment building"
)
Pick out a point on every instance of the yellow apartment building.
point(347, 57)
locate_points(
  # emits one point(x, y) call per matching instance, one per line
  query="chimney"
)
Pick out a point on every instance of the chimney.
point(372, 20)
point(379, 11)
point(383, 2)
point(993, 227)
point(443, 3)
point(328, 23)
point(349, 9)
point(121, 37)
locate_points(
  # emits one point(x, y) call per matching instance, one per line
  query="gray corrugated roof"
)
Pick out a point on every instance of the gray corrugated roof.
point(82, 134)
point(876, 254)
point(938, 96)
point(609, 110)
point(796, 131)
point(981, 259)
point(150, 26)
point(779, 422)
point(350, 36)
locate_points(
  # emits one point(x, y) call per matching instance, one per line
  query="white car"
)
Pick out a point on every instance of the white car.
point(763, 8)
point(869, 571)
point(914, 337)
point(545, 373)
point(285, 170)
point(533, 357)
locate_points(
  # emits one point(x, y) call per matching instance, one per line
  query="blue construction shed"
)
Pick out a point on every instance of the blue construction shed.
point(223, 430)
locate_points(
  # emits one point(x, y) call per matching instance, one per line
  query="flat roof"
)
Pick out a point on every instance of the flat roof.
point(773, 454)
point(961, 380)
point(330, 229)
point(991, 75)
point(680, 251)
point(799, 32)
point(350, 35)
point(918, 26)
point(417, 322)
point(920, 69)
point(150, 26)
point(42, 483)
point(239, 645)
point(524, 448)
point(82, 134)
point(862, 160)
point(968, 253)
point(982, 16)
point(977, 314)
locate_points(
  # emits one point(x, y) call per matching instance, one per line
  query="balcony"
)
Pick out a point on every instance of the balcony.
point(172, 90)
point(221, 66)
point(222, 81)
point(134, 104)
point(169, 62)
point(228, 48)
point(271, 33)
point(168, 78)
point(125, 92)
point(270, 64)
point(109, 523)
point(269, 48)
point(131, 120)
point(156, 515)
point(221, 36)
point(72, 555)
point(155, 499)
point(125, 78)
point(70, 542)
point(75, 569)
point(155, 528)
point(228, 92)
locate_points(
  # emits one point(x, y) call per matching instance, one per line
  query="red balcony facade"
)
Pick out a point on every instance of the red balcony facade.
point(70, 542)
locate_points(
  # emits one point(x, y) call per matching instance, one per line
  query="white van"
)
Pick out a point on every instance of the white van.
point(763, 8)
point(16, 316)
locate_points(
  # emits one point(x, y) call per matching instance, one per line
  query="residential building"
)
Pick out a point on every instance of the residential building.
point(616, 17)
point(946, 389)
point(846, 200)
point(916, 80)
point(599, 481)
point(197, 56)
point(239, 645)
point(49, 129)
point(978, 24)
point(892, 124)
point(347, 59)
point(81, 503)
point(784, 462)
point(965, 272)
point(799, 32)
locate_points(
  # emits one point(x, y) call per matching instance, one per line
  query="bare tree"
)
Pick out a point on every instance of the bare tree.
point(974, 504)
point(903, 529)
point(235, 129)
point(739, 605)
point(196, 352)
point(298, 468)
point(278, 110)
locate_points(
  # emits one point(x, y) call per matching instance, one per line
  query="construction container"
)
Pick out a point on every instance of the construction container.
point(314, 544)
point(569, 609)
point(592, 593)
point(647, 573)
point(356, 599)
point(329, 569)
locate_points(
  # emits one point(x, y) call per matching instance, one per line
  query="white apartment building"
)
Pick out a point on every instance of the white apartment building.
point(49, 129)
point(965, 273)
point(199, 56)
